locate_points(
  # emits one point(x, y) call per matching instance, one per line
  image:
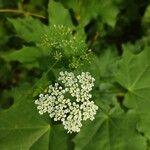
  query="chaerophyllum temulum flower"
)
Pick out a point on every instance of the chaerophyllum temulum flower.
point(68, 100)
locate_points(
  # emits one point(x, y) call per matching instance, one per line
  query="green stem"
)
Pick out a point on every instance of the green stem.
point(25, 13)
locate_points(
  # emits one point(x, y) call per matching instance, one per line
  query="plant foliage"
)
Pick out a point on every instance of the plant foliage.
point(110, 39)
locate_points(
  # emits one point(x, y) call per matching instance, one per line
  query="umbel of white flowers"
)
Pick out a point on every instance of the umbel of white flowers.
point(69, 100)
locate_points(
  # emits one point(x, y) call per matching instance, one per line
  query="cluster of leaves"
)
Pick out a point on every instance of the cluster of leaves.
point(110, 39)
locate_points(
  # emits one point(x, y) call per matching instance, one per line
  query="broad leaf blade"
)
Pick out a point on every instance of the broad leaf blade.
point(111, 132)
point(21, 126)
point(28, 28)
point(134, 76)
point(56, 9)
point(87, 10)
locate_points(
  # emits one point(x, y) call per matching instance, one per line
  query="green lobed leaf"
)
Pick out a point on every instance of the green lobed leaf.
point(21, 126)
point(29, 56)
point(24, 55)
point(134, 75)
point(56, 9)
point(114, 130)
point(87, 10)
point(28, 28)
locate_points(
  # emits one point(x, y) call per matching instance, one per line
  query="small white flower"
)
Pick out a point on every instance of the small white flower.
point(69, 103)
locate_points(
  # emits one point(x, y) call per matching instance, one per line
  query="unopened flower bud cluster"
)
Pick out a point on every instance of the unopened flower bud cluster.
point(69, 100)
point(61, 37)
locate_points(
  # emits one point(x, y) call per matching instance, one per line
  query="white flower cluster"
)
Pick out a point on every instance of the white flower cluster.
point(69, 100)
